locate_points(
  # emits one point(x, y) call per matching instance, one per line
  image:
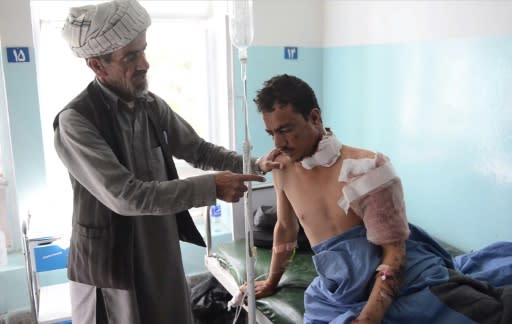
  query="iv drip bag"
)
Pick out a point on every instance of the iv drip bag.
point(241, 28)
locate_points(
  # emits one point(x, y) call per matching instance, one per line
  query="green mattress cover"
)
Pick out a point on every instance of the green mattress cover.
point(287, 305)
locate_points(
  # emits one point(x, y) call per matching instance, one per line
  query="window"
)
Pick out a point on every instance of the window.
point(187, 53)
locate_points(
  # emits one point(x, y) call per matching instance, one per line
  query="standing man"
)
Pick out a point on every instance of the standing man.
point(117, 141)
point(373, 267)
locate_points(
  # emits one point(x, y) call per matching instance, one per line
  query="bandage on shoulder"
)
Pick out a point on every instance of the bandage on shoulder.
point(374, 192)
point(284, 247)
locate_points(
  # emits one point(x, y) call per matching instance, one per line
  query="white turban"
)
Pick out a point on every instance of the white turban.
point(96, 30)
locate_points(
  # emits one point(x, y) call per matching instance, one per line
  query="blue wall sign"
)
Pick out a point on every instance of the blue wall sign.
point(18, 55)
point(291, 53)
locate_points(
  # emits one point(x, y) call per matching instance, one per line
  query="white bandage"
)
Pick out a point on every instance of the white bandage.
point(363, 176)
point(285, 247)
point(237, 300)
point(327, 153)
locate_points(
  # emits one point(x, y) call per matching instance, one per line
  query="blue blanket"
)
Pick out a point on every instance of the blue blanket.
point(436, 288)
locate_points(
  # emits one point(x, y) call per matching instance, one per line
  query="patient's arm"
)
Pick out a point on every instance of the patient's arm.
point(379, 202)
point(285, 238)
point(385, 291)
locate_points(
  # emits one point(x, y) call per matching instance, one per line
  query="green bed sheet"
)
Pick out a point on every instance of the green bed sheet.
point(287, 305)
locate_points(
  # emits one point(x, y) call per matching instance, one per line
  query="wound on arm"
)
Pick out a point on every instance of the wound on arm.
point(374, 192)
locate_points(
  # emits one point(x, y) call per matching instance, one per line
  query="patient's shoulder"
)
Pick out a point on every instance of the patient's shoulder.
point(350, 152)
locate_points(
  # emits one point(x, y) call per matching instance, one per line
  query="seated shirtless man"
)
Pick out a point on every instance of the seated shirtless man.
point(372, 265)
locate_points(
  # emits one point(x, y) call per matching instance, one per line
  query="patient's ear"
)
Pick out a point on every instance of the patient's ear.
point(315, 116)
point(97, 66)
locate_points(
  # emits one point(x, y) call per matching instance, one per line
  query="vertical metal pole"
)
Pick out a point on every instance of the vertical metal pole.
point(241, 34)
point(249, 223)
point(208, 229)
point(34, 301)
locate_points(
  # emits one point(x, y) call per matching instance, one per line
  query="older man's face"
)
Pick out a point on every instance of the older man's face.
point(126, 73)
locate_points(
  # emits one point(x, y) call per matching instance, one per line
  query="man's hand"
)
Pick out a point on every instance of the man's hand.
point(230, 186)
point(262, 289)
point(266, 163)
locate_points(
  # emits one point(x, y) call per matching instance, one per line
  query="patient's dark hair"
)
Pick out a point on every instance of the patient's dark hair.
point(286, 89)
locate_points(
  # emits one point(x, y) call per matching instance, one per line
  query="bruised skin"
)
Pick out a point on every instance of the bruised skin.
point(385, 291)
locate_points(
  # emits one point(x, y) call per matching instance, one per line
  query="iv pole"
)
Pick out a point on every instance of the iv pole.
point(241, 32)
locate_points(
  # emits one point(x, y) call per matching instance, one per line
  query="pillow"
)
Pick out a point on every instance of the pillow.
point(265, 217)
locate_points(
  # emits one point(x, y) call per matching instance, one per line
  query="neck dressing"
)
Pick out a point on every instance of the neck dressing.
point(327, 153)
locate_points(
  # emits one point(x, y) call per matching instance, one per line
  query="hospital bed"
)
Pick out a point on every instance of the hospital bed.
point(226, 262)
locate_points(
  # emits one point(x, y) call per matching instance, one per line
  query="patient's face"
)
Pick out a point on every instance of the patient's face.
point(293, 135)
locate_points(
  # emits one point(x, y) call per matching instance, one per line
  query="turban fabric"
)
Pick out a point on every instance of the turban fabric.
point(96, 30)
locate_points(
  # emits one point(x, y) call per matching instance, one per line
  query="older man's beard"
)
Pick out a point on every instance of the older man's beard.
point(128, 91)
point(141, 90)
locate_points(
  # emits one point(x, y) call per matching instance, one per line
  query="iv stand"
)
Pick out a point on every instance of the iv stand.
point(242, 33)
point(249, 225)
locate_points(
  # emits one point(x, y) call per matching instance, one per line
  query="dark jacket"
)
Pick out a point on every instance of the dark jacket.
point(101, 249)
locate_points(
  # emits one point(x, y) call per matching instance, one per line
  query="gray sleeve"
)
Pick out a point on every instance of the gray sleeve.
point(187, 145)
point(91, 161)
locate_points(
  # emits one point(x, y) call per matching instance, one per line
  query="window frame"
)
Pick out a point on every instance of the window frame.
point(218, 49)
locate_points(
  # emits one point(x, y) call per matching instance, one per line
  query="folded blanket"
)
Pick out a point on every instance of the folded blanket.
point(432, 292)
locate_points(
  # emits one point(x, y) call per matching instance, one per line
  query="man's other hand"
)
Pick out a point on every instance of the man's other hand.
point(261, 288)
point(267, 163)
